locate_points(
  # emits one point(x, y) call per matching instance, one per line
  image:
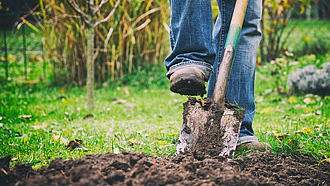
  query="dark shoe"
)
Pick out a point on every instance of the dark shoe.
point(188, 81)
point(262, 146)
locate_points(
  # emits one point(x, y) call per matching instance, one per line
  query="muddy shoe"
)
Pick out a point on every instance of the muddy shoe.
point(262, 146)
point(188, 81)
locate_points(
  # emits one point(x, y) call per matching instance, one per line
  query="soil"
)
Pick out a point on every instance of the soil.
point(137, 168)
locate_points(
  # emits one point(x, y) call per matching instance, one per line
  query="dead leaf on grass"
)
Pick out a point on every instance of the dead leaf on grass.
point(134, 142)
point(66, 131)
point(292, 99)
point(173, 134)
point(119, 101)
point(43, 113)
point(61, 98)
point(267, 91)
point(307, 130)
point(25, 117)
point(24, 138)
point(267, 110)
point(37, 127)
point(279, 135)
point(326, 160)
point(203, 102)
point(126, 91)
point(62, 90)
point(76, 145)
point(116, 150)
point(68, 101)
point(294, 143)
point(260, 100)
point(162, 143)
point(309, 101)
point(57, 138)
point(307, 115)
point(157, 115)
point(38, 166)
point(110, 132)
point(89, 116)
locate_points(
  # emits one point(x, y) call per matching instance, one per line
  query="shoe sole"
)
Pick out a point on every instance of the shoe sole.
point(188, 84)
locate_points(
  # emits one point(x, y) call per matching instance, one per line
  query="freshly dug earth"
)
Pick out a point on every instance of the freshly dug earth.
point(136, 168)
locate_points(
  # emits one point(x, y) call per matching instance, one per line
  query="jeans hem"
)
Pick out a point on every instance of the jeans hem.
point(246, 139)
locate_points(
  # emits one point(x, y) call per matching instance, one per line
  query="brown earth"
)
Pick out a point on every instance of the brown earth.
point(136, 168)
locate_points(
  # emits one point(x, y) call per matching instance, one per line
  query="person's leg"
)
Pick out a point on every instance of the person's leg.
point(240, 88)
point(191, 40)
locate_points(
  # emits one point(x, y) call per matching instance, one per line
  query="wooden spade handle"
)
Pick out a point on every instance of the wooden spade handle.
point(218, 97)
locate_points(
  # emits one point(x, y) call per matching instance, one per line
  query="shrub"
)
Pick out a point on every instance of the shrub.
point(311, 80)
point(275, 19)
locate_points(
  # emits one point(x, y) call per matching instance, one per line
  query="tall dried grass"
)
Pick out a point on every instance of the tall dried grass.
point(133, 37)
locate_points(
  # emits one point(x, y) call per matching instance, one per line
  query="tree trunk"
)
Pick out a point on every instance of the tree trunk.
point(90, 65)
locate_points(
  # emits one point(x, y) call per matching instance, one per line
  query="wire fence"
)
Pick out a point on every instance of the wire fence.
point(22, 54)
point(21, 49)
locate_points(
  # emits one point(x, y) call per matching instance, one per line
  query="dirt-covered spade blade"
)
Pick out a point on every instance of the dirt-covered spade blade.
point(206, 130)
point(212, 127)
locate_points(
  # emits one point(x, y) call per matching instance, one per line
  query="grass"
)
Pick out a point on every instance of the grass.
point(300, 122)
point(139, 113)
point(125, 118)
point(38, 122)
point(309, 37)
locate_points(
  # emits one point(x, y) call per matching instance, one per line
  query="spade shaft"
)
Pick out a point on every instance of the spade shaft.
point(235, 28)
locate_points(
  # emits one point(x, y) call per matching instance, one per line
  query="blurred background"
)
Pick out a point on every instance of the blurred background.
point(45, 40)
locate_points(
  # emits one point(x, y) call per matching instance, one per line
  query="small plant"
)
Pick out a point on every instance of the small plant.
point(311, 80)
point(275, 19)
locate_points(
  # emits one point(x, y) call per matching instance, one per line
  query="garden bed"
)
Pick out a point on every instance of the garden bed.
point(137, 168)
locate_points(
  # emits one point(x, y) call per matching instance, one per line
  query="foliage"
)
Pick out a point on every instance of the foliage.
point(309, 37)
point(276, 15)
point(281, 69)
point(291, 124)
point(10, 11)
point(133, 36)
point(311, 80)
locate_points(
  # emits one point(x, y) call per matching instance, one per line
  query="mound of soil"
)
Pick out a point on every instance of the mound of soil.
point(137, 168)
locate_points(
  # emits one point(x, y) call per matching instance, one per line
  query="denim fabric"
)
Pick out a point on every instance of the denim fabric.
point(193, 39)
point(191, 35)
point(246, 139)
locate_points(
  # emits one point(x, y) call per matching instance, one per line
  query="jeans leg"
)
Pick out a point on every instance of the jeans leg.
point(191, 36)
point(240, 88)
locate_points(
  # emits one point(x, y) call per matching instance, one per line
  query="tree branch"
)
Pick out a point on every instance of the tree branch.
point(91, 7)
point(108, 38)
point(78, 10)
point(100, 6)
point(109, 16)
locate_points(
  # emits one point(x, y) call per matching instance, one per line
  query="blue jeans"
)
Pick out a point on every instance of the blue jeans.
point(194, 41)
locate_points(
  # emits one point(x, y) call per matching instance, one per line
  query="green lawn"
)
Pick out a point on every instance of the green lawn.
point(140, 113)
point(309, 37)
point(38, 122)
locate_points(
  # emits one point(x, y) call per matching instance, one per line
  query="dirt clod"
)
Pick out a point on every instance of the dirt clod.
point(136, 168)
